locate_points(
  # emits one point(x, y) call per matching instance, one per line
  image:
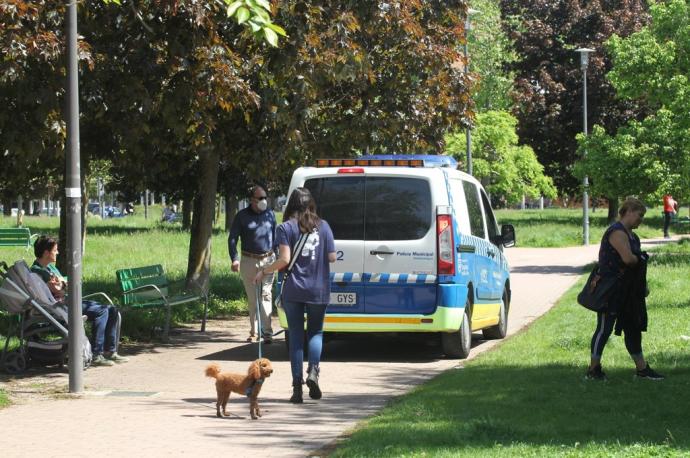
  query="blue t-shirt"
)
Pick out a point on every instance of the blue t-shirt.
point(309, 280)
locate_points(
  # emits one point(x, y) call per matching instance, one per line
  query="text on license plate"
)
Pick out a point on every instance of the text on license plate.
point(344, 298)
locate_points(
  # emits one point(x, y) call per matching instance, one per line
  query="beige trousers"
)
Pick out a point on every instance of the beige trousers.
point(249, 267)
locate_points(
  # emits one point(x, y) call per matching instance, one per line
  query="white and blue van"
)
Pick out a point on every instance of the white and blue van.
point(418, 248)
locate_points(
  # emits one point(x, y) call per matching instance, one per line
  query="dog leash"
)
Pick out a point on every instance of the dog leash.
point(259, 310)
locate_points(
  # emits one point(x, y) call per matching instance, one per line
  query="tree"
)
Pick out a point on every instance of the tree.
point(490, 54)
point(507, 170)
point(549, 79)
point(651, 65)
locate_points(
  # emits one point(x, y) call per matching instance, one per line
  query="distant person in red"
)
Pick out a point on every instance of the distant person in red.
point(670, 208)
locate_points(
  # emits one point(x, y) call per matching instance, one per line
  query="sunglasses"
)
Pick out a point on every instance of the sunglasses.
point(260, 198)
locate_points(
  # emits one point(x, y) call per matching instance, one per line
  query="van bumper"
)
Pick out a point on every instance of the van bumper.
point(444, 319)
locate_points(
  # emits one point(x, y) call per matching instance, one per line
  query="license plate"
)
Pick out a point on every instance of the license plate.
point(344, 299)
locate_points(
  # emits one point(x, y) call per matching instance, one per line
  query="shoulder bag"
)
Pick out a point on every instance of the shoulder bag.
point(597, 290)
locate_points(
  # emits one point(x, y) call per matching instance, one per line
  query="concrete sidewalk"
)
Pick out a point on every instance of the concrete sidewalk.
point(160, 403)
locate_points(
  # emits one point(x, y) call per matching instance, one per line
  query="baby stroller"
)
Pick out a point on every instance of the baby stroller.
point(41, 324)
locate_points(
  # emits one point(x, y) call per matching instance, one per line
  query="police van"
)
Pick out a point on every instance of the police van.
point(418, 248)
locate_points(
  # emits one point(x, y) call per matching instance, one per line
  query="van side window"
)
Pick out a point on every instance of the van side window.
point(397, 208)
point(474, 209)
point(340, 201)
point(491, 225)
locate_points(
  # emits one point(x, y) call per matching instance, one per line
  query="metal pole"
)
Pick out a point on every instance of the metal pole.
point(585, 180)
point(73, 199)
point(468, 129)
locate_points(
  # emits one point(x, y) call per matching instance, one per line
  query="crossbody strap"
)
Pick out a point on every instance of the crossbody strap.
point(293, 256)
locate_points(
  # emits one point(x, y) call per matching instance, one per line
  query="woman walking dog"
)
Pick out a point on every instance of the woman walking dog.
point(307, 284)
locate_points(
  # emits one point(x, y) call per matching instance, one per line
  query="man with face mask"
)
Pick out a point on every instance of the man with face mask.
point(255, 226)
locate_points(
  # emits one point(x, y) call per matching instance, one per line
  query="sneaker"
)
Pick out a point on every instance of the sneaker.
point(596, 374)
point(649, 374)
point(116, 358)
point(100, 360)
point(268, 340)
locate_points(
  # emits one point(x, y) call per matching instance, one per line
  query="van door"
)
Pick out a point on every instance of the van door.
point(400, 246)
point(340, 201)
point(497, 261)
point(483, 268)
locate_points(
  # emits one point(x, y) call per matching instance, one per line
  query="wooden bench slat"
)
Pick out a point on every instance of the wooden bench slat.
point(16, 236)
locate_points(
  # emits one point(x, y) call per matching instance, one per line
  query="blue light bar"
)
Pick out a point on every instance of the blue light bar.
point(430, 160)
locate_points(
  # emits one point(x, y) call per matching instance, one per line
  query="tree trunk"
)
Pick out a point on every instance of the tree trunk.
point(199, 261)
point(231, 203)
point(7, 207)
point(187, 204)
point(613, 209)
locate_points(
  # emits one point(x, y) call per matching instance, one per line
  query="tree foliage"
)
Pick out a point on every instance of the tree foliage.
point(651, 65)
point(508, 170)
point(549, 79)
point(490, 55)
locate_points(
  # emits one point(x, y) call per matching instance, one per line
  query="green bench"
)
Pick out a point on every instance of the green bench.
point(148, 287)
point(20, 236)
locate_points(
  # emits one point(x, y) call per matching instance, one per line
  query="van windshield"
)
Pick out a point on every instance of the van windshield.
point(373, 208)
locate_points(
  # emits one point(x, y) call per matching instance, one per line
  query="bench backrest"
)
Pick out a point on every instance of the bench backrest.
point(10, 236)
point(140, 276)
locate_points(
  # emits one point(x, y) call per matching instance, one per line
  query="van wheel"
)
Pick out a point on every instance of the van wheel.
point(501, 329)
point(457, 344)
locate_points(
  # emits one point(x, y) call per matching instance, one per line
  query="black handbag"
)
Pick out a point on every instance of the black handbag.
point(597, 290)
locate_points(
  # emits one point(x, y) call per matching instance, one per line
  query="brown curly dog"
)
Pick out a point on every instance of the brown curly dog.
point(248, 385)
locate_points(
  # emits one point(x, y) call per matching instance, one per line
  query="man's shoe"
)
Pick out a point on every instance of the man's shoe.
point(116, 358)
point(100, 360)
point(313, 383)
point(595, 374)
point(649, 374)
point(296, 393)
point(268, 340)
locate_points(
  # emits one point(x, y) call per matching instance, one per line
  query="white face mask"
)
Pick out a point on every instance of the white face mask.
point(262, 204)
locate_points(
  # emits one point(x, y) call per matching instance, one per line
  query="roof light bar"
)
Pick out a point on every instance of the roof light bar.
point(391, 160)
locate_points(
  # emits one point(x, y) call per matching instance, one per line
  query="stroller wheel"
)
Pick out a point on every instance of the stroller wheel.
point(15, 363)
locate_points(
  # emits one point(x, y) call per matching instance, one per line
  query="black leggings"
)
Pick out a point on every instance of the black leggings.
point(605, 323)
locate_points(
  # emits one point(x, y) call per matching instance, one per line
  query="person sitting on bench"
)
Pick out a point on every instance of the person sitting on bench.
point(104, 318)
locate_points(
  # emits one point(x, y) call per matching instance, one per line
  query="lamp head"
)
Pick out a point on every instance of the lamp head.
point(584, 56)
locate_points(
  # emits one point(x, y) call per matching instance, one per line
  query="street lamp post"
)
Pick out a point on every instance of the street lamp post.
point(73, 204)
point(468, 129)
point(584, 62)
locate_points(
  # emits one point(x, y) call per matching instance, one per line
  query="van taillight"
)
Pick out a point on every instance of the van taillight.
point(444, 245)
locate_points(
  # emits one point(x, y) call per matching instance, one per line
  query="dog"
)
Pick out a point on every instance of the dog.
point(248, 385)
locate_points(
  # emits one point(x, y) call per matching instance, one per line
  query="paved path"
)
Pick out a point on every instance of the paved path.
point(160, 404)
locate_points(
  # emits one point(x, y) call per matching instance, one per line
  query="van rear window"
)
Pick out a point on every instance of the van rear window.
point(373, 208)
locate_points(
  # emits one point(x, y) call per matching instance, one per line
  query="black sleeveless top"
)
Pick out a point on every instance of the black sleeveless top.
point(610, 262)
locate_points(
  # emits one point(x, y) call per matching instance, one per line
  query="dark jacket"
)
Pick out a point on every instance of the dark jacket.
point(632, 305)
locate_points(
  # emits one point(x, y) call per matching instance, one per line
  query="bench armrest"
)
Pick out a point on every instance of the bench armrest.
point(101, 294)
point(145, 287)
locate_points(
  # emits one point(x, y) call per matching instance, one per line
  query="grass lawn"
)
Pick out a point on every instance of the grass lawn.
point(133, 241)
point(4, 401)
point(528, 397)
point(555, 227)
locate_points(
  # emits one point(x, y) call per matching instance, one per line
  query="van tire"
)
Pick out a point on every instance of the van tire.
point(501, 329)
point(458, 344)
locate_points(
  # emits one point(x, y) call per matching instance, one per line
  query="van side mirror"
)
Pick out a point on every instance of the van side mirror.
point(508, 235)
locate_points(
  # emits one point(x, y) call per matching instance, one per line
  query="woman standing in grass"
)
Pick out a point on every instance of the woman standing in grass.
point(620, 255)
point(307, 286)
